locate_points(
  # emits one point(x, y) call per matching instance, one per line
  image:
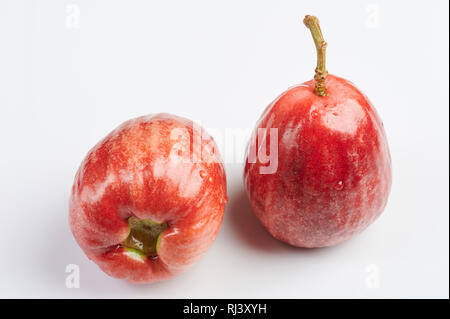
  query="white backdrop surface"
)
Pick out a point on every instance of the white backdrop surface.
point(72, 70)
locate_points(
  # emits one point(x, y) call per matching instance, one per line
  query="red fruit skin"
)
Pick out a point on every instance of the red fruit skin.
point(334, 167)
point(140, 169)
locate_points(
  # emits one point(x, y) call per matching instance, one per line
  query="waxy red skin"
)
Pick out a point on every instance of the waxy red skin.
point(334, 167)
point(142, 169)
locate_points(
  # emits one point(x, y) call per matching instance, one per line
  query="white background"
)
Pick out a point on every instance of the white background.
point(71, 71)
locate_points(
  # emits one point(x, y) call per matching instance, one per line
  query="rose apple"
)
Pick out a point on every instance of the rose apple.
point(333, 175)
point(148, 200)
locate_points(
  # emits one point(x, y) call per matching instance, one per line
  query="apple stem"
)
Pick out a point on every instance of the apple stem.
point(321, 72)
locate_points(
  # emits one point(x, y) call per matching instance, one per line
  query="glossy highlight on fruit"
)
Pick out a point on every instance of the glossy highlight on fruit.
point(147, 201)
point(334, 167)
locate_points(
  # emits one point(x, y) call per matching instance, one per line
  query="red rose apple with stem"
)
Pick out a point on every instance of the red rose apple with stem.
point(334, 168)
point(148, 200)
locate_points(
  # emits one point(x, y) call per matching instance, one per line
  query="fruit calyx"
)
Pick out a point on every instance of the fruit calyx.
point(144, 236)
point(321, 72)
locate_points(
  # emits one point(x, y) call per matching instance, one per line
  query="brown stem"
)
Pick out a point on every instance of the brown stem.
point(321, 72)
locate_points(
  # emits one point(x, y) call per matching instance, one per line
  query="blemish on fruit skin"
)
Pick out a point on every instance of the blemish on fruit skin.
point(314, 114)
point(339, 186)
point(95, 193)
point(203, 174)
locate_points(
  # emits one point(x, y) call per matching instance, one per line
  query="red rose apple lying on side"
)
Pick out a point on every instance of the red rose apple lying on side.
point(333, 174)
point(148, 200)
